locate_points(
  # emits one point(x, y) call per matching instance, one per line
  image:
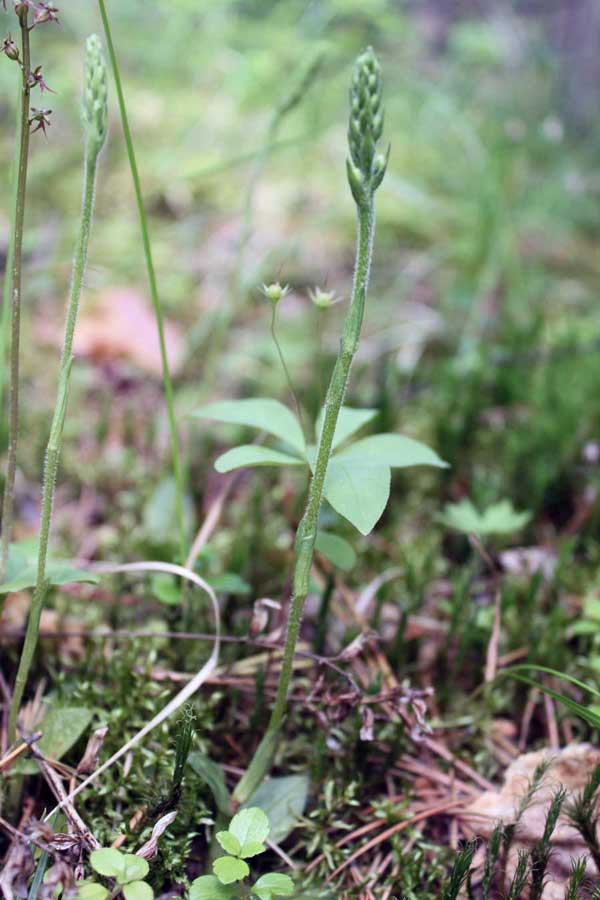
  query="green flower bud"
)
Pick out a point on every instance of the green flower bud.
point(95, 108)
point(9, 47)
point(323, 299)
point(275, 292)
point(366, 167)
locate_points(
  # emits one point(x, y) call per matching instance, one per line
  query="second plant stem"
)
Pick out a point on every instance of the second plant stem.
point(54, 442)
point(15, 327)
point(167, 382)
point(307, 529)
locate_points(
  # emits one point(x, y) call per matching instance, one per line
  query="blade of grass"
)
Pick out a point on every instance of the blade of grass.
point(577, 709)
point(167, 381)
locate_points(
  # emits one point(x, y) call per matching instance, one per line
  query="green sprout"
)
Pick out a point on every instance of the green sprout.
point(126, 872)
point(244, 839)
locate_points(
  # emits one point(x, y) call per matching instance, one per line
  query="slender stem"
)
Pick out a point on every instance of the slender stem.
point(7, 288)
point(15, 329)
point(286, 372)
point(307, 529)
point(167, 381)
point(54, 442)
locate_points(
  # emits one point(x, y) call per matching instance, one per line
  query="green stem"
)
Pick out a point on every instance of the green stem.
point(167, 381)
point(286, 372)
point(54, 442)
point(15, 328)
point(307, 529)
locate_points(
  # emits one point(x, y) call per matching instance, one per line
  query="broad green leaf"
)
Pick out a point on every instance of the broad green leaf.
point(107, 861)
point(250, 824)
point(500, 518)
point(251, 848)
point(585, 627)
point(358, 491)
point(348, 423)
point(283, 801)
point(212, 775)
point(229, 869)
point(461, 516)
point(208, 887)
point(337, 550)
point(160, 513)
point(92, 891)
point(229, 583)
point(262, 413)
point(165, 589)
point(22, 569)
point(61, 727)
point(252, 455)
point(273, 885)
point(392, 450)
point(229, 842)
point(591, 608)
point(138, 890)
point(134, 868)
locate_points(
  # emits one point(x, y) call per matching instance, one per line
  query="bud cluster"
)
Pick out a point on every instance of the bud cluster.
point(95, 106)
point(41, 12)
point(366, 167)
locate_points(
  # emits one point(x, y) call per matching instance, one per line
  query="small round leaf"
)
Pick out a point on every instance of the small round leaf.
point(273, 885)
point(251, 848)
point(228, 842)
point(250, 825)
point(229, 869)
point(135, 868)
point(208, 887)
point(108, 862)
point(92, 891)
point(138, 890)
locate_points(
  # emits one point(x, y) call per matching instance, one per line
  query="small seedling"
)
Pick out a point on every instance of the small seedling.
point(244, 839)
point(499, 518)
point(125, 869)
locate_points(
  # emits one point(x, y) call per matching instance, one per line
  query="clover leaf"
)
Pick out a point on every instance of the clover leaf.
point(208, 887)
point(127, 869)
point(357, 484)
point(273, 885)
point(499, 518)
point(229, 869)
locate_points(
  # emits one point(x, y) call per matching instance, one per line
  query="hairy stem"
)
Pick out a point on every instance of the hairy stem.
point(7, 287)
point(54, 442)
point(167, 381)
point(15, 327)
point(307, 529)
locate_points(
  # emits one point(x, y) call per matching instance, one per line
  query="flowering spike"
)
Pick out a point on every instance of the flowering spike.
point(366, 167)
point(95, 106)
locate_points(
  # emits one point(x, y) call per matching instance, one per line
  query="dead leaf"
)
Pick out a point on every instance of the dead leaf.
point(528, 561)
point(119, 325)
point(569, 768)
point(150, 848)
